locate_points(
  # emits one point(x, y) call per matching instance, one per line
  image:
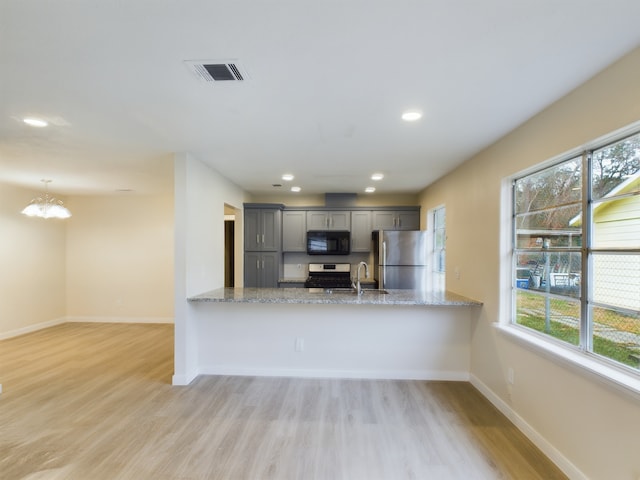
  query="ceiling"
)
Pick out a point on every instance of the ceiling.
point(327, 83)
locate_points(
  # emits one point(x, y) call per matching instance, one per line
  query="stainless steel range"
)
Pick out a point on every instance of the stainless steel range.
point(329, 275)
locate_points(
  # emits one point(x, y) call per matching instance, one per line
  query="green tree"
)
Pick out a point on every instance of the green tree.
point(550, 198)
point(613, 164)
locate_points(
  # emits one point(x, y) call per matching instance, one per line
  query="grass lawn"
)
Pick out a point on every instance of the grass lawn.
point(531, 310)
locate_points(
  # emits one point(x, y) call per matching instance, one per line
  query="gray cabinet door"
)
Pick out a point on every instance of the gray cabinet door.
point(270, 269)
point(317, 220)
point(261, 229)
point(270, 230)
point(252, 230)
point(252, 269)
point(408, 219)
point(340, 220)
point(294, 231)
point(360, 231)
point(326, 220)
point(261, 269)
point(383, 220)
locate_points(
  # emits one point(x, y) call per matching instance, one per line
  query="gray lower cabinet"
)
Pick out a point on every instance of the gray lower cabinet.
point(294, 231)
point(360, 231)
point(261, 269)
point(408, 219)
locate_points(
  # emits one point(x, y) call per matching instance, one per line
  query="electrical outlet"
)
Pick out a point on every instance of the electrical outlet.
point(456, 272)
point(511, 377)
point(299, 345)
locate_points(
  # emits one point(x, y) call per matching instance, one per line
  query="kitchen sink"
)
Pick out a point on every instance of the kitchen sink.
point(374, 290)
point(346, 291)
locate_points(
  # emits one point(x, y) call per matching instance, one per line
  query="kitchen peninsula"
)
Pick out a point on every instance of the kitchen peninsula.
point(306, 332)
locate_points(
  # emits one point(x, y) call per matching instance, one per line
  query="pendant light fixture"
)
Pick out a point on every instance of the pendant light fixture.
point(47, 206)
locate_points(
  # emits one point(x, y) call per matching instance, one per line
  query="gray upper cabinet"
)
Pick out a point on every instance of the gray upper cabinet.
point(360, 231)
point(262, 227)
point(406, 219)
point(328, 220)
point(294, 231)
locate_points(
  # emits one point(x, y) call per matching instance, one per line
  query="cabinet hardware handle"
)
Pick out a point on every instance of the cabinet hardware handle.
point(263, 238)
point(258, 264)
point(258, 238)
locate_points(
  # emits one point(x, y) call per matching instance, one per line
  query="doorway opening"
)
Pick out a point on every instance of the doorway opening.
point(229, 246)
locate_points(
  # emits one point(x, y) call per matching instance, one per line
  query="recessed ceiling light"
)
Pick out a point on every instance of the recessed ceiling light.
point(377, 176)
point(35, 122)
point(370, 189)
point(295, 189)
point(287, 177)
point(411, 116)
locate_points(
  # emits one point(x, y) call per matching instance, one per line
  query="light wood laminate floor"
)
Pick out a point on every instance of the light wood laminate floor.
point(94, 401)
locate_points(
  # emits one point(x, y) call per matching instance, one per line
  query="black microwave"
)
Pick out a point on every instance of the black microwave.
point(328, 242)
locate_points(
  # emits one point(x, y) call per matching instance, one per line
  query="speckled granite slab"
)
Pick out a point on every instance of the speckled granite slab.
point(335, 296)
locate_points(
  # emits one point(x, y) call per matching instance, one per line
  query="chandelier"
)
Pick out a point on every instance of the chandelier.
point(47, 206)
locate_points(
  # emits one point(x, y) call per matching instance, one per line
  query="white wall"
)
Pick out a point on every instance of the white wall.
point(585, 424)
point(334, 341)
point(120, 258)
point(200, 197)
point(32, 266)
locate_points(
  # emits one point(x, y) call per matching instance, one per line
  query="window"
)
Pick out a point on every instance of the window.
point(438, 246)
point(576, 252)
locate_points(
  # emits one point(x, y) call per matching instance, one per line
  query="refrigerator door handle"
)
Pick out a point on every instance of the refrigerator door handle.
point(384, 264)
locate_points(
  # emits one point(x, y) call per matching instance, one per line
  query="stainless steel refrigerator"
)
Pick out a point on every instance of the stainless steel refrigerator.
point(400, 259)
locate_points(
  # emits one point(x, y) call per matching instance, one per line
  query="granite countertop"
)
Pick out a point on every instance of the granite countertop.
point(335, 296)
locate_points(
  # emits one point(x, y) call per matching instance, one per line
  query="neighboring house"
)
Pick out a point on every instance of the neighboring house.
point(616, 224)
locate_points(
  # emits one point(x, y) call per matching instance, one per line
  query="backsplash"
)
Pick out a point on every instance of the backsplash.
point(296, 265)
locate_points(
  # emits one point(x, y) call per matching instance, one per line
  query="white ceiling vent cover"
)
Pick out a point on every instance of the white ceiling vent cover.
point(217, 70)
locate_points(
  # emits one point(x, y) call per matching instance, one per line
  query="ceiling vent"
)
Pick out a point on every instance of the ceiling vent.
point(217, 70)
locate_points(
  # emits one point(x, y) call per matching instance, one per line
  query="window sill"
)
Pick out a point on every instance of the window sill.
point(582, 363)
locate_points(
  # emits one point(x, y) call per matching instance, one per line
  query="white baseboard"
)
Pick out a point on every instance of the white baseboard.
point(32, 328)
point(539, 441)
point(322, 373)
point(183, 379)
point(82, 319)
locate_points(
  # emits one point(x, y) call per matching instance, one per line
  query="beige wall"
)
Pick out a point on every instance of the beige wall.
point(32, 266)
point(120, 258)
point(587, 424)
point(111, 261)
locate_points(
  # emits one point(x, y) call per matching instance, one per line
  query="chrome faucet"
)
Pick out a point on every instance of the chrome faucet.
point(357, 285)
